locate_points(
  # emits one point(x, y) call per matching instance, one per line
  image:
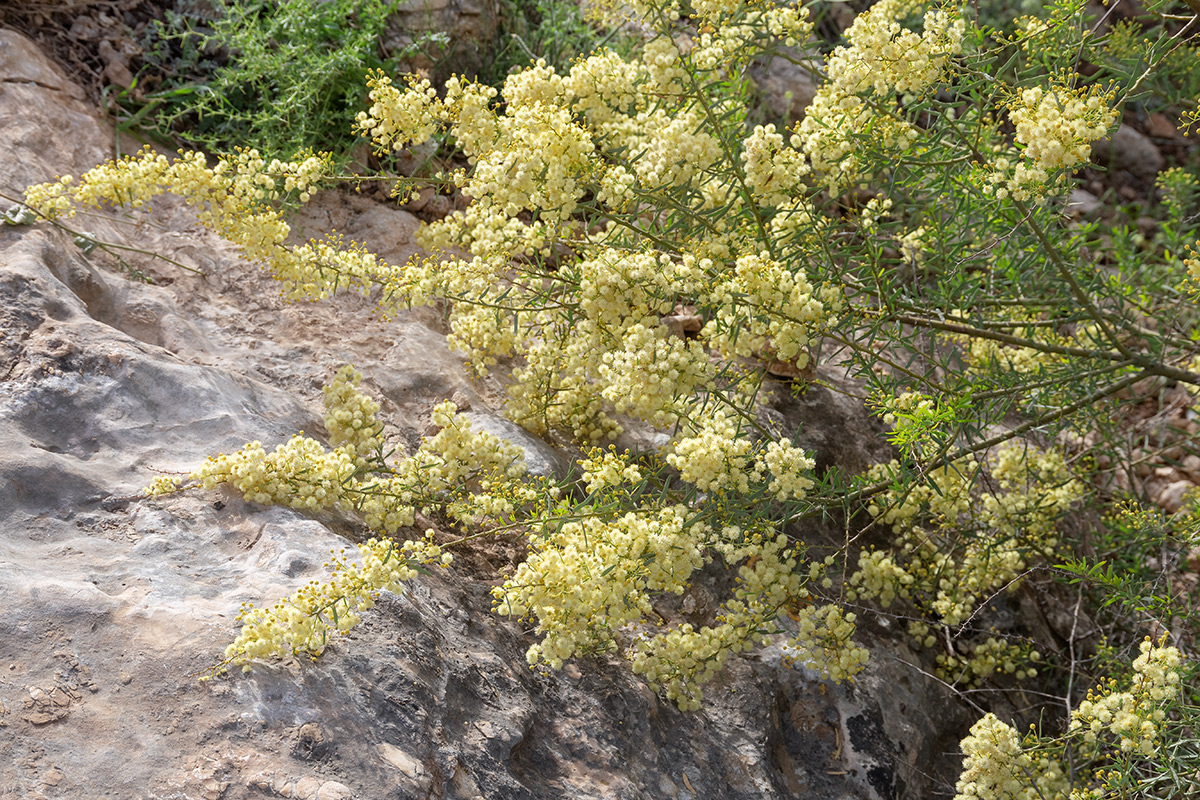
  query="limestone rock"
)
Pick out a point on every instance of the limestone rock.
point(1083, 204)
point(825, 418)
point(1130, 150)
point(470, 25)
point(22, 62)
point(1170, 498)
point(786, 88)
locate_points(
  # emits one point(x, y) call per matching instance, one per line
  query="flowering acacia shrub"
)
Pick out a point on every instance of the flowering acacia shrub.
point(929, 566)
point(909, 230)
point(1116, 731)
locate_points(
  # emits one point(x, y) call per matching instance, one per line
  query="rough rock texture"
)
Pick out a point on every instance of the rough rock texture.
point(787, 89)
point(471, 25)
point(109, 604)
point(1132, 151)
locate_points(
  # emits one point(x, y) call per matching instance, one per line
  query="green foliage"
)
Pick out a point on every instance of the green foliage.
point(1130, 48)
point(295, 74)
point(286, 77)
point(1134, 574)
point(541, 29)
point(282, 77)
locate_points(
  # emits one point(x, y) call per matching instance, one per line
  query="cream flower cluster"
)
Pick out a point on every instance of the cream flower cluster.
point(315, 270)
point(880, 577)
point(617, 287)
point(472, 474)
point(825, 137)
point(790, 469)
point(932, 564)
point(823, 643)
point(299, 474)
point(999, 766)
point(1192, 264)
point(987, 658)
point(486, 234)
point(944, 495)
point(794, 226)
point(495, 499)
point(613, 95)
point(1056, 126)
point(225, 194)
point(1133, 716)
point(728, 31)
point(485, 330)
point(618, 13)
point(984, 354)
point(233, 198)
point(790, 24)
point(662, 68)
point(533, 156)
point(305, 622)
point(914, 245)
point(162, 485)
point(604, 87)
point(536, 83)
point(882, 57)
point(715, 458)
point(711, 11)
point(681, 659)
point(539, 161)
point(905, 404)
point(607, 469)
point(302, 474)
point(388, 503)
point(555, 387)
point(457, 453)
point(351, 416)
point(765, 303)
point(874, 210)
point(727, 47)
point(1036, 489)
point(473, 120)
point(652, 374)
point(621, 354)
point(673, 146)
point(774, 172)
point(587, 578)
point(397, 119)
point(618, 188)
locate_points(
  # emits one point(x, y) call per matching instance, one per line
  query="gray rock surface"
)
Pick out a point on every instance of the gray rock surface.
point(787, 88)
point(111, 605)
point(471, 27)
point(1132, 151)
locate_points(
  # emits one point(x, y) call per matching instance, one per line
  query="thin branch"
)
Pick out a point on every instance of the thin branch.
point(877, 488)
